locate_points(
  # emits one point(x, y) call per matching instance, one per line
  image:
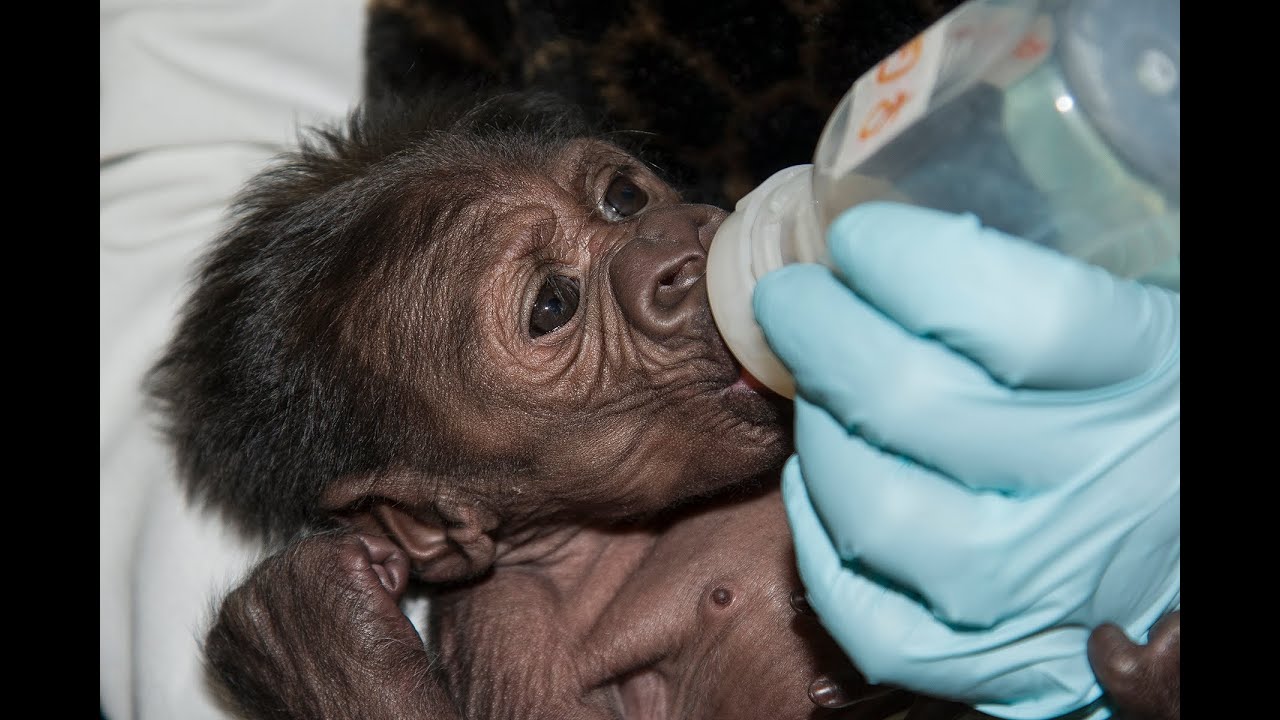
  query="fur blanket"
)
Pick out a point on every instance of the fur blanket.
point(717, 95)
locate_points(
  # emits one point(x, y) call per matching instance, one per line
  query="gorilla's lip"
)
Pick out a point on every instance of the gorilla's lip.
point(735, 377)
point(740, 392)
point(752, 401)
point(751, 382)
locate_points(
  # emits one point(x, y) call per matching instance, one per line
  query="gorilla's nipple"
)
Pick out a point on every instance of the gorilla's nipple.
point(718, 599)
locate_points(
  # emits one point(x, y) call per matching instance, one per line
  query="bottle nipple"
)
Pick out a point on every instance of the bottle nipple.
point(771, 226)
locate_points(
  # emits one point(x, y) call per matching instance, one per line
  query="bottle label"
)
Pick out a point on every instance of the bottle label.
point(1027, 55)
point(952, 53)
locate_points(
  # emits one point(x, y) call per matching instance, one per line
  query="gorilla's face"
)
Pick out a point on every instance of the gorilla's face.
point(598, 362)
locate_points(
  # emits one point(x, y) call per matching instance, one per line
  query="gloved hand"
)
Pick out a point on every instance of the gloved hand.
point(987, 455)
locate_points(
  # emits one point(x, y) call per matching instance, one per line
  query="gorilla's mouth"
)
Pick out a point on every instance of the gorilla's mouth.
point(752, 401)
point(751, 382)
point(736, 389)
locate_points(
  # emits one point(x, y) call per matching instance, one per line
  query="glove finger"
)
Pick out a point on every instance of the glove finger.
point(914, 397)
point(843, 601)
point(1014, 670)
point(890, 638)
point(911, 527)
point(1031, 316)
point(817, 561)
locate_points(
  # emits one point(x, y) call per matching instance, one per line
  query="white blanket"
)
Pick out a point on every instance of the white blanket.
point(195, 96)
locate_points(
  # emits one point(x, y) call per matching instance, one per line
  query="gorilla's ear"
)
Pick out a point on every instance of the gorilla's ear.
point(446, 538)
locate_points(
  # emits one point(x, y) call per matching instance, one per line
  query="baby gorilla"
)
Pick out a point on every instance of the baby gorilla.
point(451, 322)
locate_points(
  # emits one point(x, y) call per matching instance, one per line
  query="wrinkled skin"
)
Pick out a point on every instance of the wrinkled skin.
point(629, 386)
point(690, 617)
point(635, 392)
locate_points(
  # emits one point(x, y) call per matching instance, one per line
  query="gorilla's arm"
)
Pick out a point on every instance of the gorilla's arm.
point(316, 632)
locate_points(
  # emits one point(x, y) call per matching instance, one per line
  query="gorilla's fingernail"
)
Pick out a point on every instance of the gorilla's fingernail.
point(800, 603)
point(827, 693)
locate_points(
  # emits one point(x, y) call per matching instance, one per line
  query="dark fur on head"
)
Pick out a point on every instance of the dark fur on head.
point(284, 373)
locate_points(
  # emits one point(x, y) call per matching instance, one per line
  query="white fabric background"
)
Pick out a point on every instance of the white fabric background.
point(195, 96)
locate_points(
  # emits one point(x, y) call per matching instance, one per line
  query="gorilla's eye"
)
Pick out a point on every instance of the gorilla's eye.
point(554, 306)
point(623, 198)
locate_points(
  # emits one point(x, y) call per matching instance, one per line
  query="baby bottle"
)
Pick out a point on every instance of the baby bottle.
point(1056, 121)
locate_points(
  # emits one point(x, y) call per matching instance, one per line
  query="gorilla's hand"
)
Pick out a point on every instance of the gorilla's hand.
point(316, 632)
point(1144, 681)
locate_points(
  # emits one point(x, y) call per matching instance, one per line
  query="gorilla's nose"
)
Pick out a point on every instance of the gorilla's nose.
point(656, 275)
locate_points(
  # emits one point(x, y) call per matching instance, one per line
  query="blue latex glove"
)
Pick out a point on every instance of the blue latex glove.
point(987, 455)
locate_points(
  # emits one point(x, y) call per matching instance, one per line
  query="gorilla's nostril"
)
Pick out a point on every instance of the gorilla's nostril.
point(683, 274)
point(693, 267)
point(675, 280)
